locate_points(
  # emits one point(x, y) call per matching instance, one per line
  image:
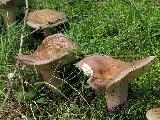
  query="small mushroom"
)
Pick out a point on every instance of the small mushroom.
point(112, 76)
point(153, 114)
point(45, 19)
point(54, 52)
point(8, 11)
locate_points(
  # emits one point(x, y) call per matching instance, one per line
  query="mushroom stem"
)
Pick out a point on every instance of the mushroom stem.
point(10, 13)
point(51, 77)
point(47, 31)
point(116, 95)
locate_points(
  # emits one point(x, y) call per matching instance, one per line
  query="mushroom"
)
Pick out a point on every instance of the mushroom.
point(54, 52)
point(45, 19)
point(153, 114)
point(112, 76)
point(9, 11)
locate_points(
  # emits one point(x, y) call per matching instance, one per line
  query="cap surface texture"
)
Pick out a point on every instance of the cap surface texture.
point(41, 18)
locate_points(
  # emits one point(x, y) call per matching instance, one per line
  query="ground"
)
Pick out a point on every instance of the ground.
point(125, 29)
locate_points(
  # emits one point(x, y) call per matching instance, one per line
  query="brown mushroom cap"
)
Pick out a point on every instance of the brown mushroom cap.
point(54, 52)
point(153, 114)
point(41, 18)
point(54, 48)
point(107, 70)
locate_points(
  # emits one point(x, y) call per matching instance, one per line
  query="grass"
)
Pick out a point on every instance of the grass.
point(125, 29)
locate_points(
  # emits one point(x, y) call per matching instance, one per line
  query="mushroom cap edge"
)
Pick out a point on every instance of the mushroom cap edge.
point(128, 73)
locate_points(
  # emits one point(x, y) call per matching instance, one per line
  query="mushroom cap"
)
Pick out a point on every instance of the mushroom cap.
point(106, 71)
point(42, 18)
point(153, 114)
point(55, 48)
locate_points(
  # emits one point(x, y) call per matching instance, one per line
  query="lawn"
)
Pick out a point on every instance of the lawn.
point(125, 29)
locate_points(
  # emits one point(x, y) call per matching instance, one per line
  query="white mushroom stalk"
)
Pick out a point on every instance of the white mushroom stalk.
point(8, 11)
point(54, 52)
point(112, 76)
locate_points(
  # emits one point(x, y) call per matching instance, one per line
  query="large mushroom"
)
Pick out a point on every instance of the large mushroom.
point(54, 52)
point(8, 11)
point(112, 76)
point(153, 114)
point(45, 19)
